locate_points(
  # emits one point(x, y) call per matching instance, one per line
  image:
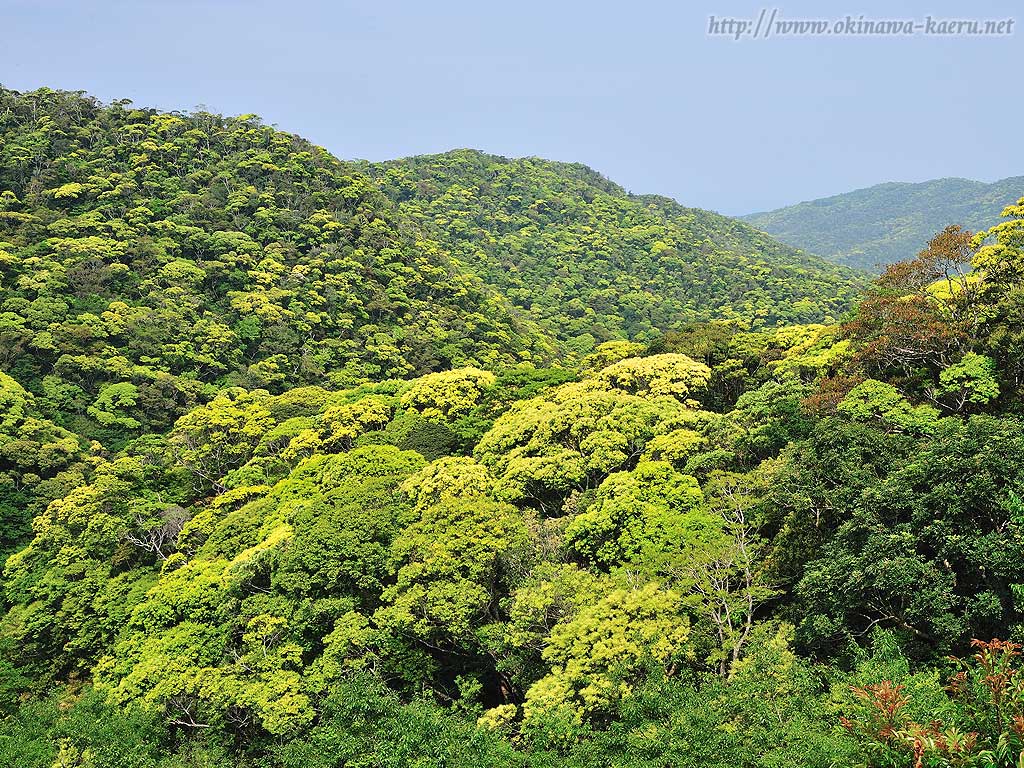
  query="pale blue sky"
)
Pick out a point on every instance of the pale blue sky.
point(635, 89)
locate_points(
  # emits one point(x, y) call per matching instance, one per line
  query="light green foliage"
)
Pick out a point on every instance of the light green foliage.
point(448, 480)
point(643, 517)
point(183, 253)
point(999, 261)
point(210, 644)
point(668, 375)
point(876, 401)
point(342, 424)
point(549, 594)
point(178, 669)
point(1000, 257)
point(450, 568)
point(552, 592)
point(676, 446)
point(109, 408)
point(448, 395)
point(571, 438)
point(726, 576)
point(67, 591)
point(600, 653)
point(970, 382)
point(221, 435)
point(809, 350)
point(610, 352)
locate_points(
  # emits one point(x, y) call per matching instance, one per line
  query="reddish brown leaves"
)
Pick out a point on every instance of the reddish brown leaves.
point(921, 312)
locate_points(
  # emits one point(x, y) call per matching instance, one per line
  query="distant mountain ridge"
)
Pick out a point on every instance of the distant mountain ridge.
point(888, 222)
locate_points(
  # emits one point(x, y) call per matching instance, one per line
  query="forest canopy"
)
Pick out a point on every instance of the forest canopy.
point(467, 461)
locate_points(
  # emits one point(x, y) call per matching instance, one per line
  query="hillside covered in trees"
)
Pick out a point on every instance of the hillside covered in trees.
point(148, 259)
point(870, 228)
point(589, 262)
point(461, 461)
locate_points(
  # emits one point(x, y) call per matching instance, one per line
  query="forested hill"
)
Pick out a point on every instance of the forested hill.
point(886, 223)
point(148, 258)
point(316, 464)
point(590, 261)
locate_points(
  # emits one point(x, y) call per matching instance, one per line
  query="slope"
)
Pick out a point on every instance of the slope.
point(149, 259)
point(889, 222)
point(593, 262)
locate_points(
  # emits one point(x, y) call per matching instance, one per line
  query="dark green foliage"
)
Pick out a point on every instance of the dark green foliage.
point(363, 723)
point(82, 731)
point(933, 548)
point(411, 432)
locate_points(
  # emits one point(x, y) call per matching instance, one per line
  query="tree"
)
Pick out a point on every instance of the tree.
point(670, 375)
point(221, 436)
point(599, 654)
point(970, 383)
point(449, 571)
point(1000, 263)
point(728, 576)
point(922, 312)
point(568, 439)
point(446, 396)
point(642, 519)
point(158, 535)
point(982, 723)
point(882, 404)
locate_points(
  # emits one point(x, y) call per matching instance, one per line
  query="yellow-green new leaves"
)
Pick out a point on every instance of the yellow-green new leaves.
point(611, 352)
point(639, 517)
point(345, 649)
point(239, 255)
point(876, 401)
point(676, 446)
point(449, 479)
point(569, 438)
point(667, 375)
point(109, 408)
point(68, 191)
point(68, 598)
point(182, 672)
point(1000, 254)
point(224, 634)
point(449, 569)
point(342, 424)
point(593, 263)
point(87, 523)
point(600, 653)
point(970, 382)
point(808, 350)
point(446, 396)
point(221, 435)
point(552, 592)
